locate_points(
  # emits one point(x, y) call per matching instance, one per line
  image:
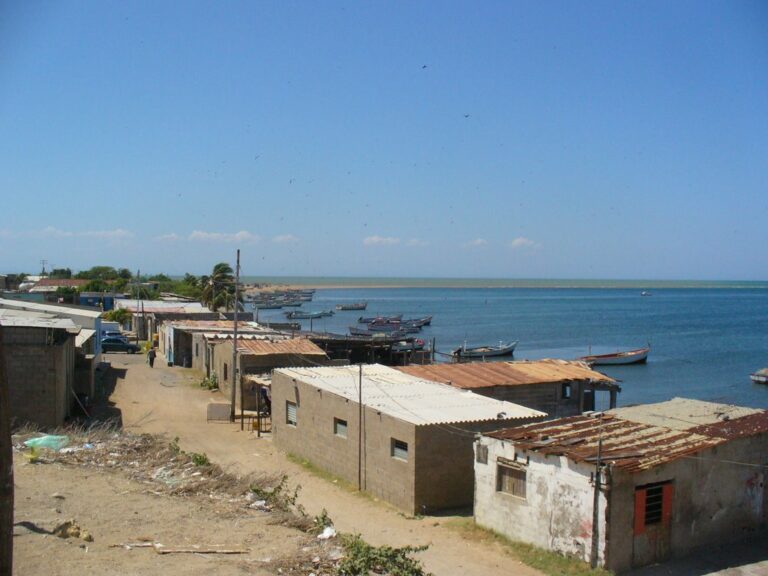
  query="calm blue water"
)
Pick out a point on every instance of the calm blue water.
point(705, 342)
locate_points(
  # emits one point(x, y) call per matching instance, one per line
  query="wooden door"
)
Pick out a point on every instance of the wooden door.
point(653, 523)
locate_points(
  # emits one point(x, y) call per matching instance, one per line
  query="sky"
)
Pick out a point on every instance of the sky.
point(611, 140)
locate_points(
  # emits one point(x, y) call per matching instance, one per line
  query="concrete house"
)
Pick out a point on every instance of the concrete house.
point(558, 387)
point(148, 315)
point(260, 355)
point(408, 442)
point(675, 476)
point(39, 357)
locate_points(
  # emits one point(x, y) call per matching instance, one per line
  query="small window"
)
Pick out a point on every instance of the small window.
point(566, 391)
point(653, 505)
point(399, 449)
point(340, 427)
point(290, 413)
point(197, 349)
point(481, 453)
point(226, 372)
point(510, 479)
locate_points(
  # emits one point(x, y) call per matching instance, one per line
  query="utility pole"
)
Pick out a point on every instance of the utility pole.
point(6, 472)
point(596, 505)
point(234, 351)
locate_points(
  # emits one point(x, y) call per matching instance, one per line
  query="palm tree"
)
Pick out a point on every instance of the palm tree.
point(219, 287)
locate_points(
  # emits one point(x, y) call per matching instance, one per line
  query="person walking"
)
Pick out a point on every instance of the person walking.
point(151, 357)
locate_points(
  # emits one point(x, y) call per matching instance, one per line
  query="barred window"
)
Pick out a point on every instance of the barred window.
point(399, 449)
point(340, 427)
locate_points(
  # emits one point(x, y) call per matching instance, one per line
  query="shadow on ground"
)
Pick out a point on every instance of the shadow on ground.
point(105, 410)
point(748, 557)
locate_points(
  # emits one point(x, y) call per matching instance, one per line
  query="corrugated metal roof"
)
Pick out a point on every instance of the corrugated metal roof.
point(161, 306)
point(631, 444)
point(56, 310)
point(39, 321)
point(295, 346)
point(407, 397)
point(84, 336)
point(486, 374)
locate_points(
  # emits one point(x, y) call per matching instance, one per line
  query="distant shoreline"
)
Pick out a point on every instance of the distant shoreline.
point(340, 283)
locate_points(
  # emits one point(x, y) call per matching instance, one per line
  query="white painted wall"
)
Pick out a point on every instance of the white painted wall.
point(557, 511)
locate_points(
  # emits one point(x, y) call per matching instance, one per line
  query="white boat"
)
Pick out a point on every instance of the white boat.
point(638, 356)
point(760, 377)
point(503, 349)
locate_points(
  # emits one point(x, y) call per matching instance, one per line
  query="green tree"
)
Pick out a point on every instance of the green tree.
point(121, 315)
point(98, 273)
point(61, 273)
point(219, 288)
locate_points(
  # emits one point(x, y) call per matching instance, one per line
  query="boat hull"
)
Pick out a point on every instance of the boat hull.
point(639, 356)
point(760, 377)
point(485, 351)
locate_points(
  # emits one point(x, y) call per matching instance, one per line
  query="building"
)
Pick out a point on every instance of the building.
point(558, 387)
point(39, 357)
point(148, 315)
point(260, 355)
point(402, 439)
point(85, 317)
point(675, 476)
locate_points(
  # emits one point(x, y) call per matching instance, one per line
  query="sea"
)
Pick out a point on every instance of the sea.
point(706, 338)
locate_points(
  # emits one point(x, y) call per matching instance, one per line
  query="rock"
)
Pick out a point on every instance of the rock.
point(59, 496)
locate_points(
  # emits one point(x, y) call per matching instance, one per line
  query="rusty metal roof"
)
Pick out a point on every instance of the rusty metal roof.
point(628, 444)
point(295, 346)
point(486, 374)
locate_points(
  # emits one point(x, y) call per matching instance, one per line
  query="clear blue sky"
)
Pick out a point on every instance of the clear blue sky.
point(457, 139)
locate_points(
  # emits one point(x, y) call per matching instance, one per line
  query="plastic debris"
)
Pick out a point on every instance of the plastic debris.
point(48, 441)
point(327, 533)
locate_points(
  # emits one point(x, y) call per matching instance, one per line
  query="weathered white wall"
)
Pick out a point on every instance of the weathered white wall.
point(557, 511)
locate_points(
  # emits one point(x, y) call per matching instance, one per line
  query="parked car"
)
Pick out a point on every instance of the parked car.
point(119, 345)
point(113, 334)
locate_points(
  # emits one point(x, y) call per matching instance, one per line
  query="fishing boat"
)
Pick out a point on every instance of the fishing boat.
point(502, 349)
point(355, 331)
point(760, 377)
point(405, 346)
point(352, 306)
point(425, 321)
point(308, 315)
point(371, 319)
point(638, 356)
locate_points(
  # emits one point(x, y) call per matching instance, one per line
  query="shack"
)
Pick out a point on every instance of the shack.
point(673, 476)
point(403, 439)
point(260, 355)
point(558, 387)
point(39, 358)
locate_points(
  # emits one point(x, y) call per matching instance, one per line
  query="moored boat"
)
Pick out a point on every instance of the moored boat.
point(352, 306)
point(502, 349)
point(760, 377)
point(638, 356)
point(308, 315)
point(371, 319)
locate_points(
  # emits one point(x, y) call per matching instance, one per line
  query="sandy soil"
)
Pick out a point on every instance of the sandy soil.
point(169, 401)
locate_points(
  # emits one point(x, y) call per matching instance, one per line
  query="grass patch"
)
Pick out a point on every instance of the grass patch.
point(324, 474)
point(550, 563)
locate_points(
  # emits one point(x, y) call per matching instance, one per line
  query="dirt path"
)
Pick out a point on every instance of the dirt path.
point(169, 401)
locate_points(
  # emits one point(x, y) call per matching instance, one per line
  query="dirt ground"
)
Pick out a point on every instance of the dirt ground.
point(169, 401)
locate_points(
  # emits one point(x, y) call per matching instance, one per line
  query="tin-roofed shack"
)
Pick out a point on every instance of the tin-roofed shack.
point(409, 442)
point(39, 358)
point(558, 387)
point(676, 476)
point(260, 355)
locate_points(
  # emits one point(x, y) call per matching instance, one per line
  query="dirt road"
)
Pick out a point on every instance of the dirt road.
point(169, 401)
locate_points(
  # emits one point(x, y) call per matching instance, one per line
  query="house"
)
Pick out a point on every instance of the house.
point(53, 284)
point(39, 357)
point(674, 476)
point(190, 343)
point(401, 438)
point(558, 387)
point(148, 315)
point(259, 355)
point(82, 316)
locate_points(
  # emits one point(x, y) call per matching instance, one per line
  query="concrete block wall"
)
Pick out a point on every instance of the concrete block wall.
point(544, 397)
point(313, 438)
point(40, 374)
